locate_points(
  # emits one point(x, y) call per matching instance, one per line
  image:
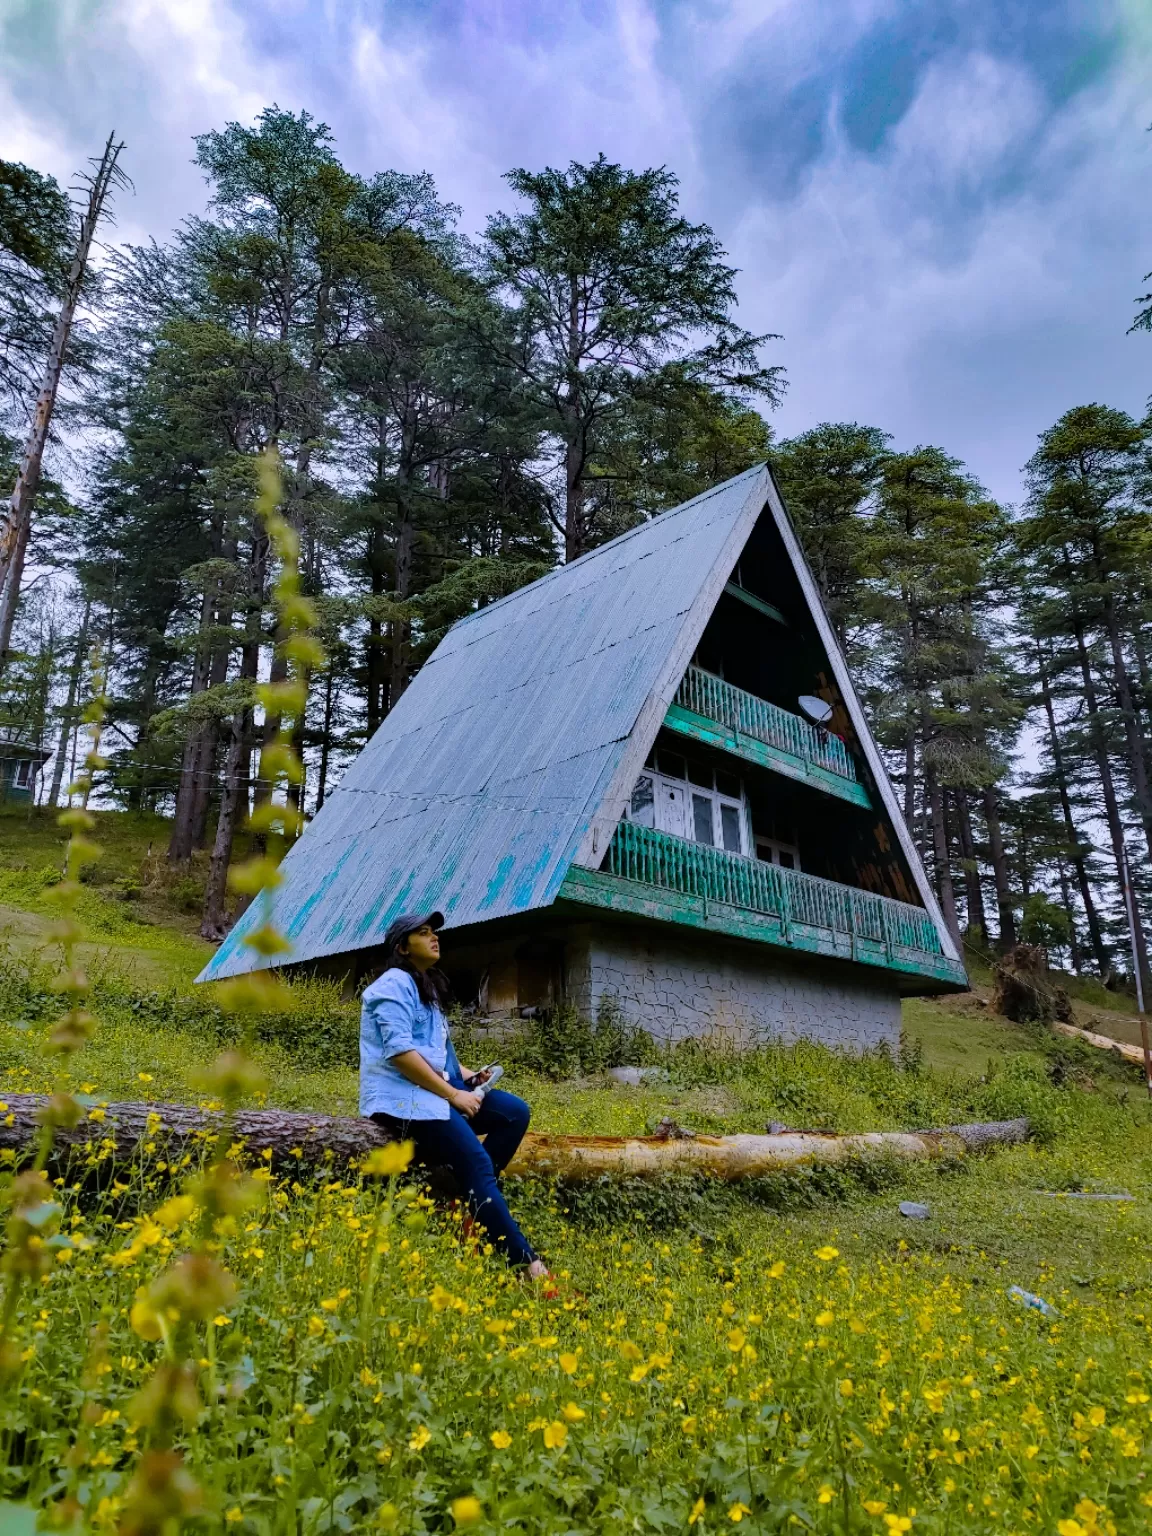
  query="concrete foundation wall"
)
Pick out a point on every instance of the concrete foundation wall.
point(678, 986)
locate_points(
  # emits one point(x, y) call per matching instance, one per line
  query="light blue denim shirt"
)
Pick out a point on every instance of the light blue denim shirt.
point(394, 1020)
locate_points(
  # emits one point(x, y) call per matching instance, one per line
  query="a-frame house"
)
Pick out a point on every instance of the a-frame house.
point(605, 783)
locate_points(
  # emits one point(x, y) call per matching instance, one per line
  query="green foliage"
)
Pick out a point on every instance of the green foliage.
point(608, 285)
point(827, 476)
point(561, 1042)
point(35, 219)
point(1044, 922)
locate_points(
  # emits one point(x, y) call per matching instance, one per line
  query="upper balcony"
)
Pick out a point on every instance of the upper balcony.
point(710, 710)
point(653, 874)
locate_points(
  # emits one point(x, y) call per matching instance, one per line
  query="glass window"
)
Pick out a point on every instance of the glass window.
point(700, 773)
point(786, 859)
point(730, 827)
point(643, 807)
point(728, 784)
point(23, 772)
point(702, 819)
point(671, 763)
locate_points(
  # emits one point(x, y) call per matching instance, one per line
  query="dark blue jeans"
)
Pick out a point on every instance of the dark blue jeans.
point(455, 1143)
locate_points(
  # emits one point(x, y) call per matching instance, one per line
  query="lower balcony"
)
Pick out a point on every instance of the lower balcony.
point(653, 874)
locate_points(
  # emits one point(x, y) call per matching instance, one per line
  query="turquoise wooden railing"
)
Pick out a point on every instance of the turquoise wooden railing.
point(705, 694)
point(693, 869)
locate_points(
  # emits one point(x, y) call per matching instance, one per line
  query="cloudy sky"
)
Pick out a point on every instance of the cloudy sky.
point(945, 206)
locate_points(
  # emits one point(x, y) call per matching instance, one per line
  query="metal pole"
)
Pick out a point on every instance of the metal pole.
point(1135, 935)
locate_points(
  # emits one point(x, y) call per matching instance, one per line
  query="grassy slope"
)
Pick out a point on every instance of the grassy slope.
point(991, 1224)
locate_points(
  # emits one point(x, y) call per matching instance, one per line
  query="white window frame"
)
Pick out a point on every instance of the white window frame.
point(769, 849)
point(23, 775)
point(715, 798)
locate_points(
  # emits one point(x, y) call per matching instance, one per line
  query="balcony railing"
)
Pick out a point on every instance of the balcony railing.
point(790, 898)
point(705, 694)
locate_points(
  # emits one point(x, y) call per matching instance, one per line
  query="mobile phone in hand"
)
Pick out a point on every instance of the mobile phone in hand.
point(485, 1080)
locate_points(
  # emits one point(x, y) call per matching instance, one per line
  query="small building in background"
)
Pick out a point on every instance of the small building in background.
point(20, 765)
point(643, 783)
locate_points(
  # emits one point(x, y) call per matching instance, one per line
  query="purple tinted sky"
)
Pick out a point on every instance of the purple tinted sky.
point(943, 205)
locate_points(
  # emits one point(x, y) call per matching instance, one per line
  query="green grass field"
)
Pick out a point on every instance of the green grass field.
point(788, 1355)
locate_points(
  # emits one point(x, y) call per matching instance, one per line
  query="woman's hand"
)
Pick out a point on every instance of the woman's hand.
point(467, 1103)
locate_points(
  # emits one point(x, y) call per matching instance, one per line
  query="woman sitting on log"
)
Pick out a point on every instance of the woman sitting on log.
point(413, 1086)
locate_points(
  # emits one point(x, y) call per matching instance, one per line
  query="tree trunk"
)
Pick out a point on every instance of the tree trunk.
point(215, 922)
point(1100, 749)
point(1005, 916)
point(405, 551)
point(973, 889)
point(1066, 897)
point(183, 838)
point(944, 888)
point(574, 445)
point(69, 712)
point(294, 1138)
point(326, 734)
point(910, 780)
point(1133, 735)
point(1079, 863)
point(18, 524)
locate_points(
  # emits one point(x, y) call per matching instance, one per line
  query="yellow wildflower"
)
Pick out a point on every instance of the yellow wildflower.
point(824, 1318)
point(826, 1495)
point(827, 1252)
point(697, 1511)
point(776, 1270)
point(383, 1162)
point(234, 1515)
point(898, 1523)
point(846, 1387)
point(501, 1439)
point(555, 1435)
point(737, 1511)
point(573, 1413)
point(736, 1340)
point(468, 1510)
point(568, 1364)
point(420, 1438)
point(316, 1326)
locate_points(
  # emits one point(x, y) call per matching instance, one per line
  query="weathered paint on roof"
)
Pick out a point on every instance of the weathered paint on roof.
point(480, 786)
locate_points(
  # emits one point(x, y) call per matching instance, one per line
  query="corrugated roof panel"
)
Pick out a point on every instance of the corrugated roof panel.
point(474, 794)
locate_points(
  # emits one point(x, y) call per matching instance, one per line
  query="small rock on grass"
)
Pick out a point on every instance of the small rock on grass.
point(636, 1077)
point(914, 1210)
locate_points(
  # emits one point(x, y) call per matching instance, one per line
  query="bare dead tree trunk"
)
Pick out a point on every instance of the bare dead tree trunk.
point(18, 524)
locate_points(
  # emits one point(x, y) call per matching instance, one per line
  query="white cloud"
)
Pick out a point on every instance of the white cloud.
point(921, 288)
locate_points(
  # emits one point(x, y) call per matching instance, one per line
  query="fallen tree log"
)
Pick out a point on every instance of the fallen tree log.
point(1121, 1048)
point(294, 1139)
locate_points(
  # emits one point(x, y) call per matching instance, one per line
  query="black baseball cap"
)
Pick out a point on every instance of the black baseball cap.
point(400, 927)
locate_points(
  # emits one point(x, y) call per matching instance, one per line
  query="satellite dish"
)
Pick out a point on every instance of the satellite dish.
point(819, 711)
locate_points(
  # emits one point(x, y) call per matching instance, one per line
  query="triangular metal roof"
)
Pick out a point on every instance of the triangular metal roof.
point(513, 752)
